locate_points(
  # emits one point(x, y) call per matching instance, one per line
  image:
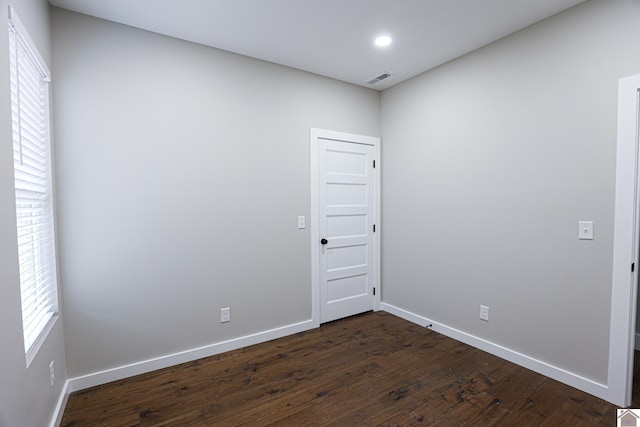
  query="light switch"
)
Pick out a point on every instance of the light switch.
point(301, 222)
point(585, 230)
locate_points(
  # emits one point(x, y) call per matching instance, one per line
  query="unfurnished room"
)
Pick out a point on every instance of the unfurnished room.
point(303, 212)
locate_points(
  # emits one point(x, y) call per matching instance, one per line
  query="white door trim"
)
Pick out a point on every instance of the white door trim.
point(314, 135)
point(625, 243)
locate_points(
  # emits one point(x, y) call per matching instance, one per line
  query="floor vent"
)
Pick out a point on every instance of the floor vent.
point(376, 79)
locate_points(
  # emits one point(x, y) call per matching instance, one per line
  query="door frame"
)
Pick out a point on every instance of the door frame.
point(314, 136)
point(625, 245)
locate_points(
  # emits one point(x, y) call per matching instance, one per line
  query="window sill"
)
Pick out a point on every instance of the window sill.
point(35, 347)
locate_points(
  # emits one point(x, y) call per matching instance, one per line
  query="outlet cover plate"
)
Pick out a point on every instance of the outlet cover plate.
point(484, 313)
point(225, 315)
point(52, 374)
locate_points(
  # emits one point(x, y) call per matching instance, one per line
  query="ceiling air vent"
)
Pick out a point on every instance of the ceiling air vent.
point(376, 79)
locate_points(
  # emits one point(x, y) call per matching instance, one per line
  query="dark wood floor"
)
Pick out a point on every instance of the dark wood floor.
point(369, 370)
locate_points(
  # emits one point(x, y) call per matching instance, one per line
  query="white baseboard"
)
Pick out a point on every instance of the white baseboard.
point(558, 374)
point(106, 376)
point(62, 403)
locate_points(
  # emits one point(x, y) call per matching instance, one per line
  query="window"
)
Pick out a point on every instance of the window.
point(32, 171)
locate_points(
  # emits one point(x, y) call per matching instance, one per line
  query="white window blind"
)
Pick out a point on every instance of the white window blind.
point(32, 171)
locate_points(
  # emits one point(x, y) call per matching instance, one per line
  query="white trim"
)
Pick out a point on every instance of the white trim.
point(314, 135)
point(31, 354)
point(109, 375)
point(126, 371)
point(546, 369)
point(23, 34)
point(56, 419)
point(377, 299)
point(623, 292)
point(314, 232)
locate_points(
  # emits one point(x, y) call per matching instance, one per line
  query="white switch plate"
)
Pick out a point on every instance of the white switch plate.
point(585, 230)
point(301, 222)
point(484, 313)
point(225, 315)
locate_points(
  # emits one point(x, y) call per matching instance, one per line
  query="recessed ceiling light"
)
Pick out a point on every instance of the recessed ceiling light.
point(383, 41)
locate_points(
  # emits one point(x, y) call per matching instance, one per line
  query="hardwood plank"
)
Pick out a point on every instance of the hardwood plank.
point(187, 419)
point(369, 370)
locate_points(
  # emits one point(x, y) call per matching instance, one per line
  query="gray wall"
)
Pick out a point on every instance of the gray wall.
point(490, 161)
point(181, 172)
point(26, 399)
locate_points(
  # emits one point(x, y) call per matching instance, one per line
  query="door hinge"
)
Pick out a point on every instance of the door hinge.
point(374, 228)
point(633, 267)
point(374, 164)
point(374, 291)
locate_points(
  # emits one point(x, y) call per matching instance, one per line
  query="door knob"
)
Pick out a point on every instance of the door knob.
point(324, 241)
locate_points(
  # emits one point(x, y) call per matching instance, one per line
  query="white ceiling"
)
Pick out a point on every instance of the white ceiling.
point(333, 38)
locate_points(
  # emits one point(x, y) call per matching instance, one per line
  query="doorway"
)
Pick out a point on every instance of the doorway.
point(625, 246)
point(345, 224)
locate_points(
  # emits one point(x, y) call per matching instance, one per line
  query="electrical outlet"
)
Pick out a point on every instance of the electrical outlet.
point(52, 374)
point(225, 315)
point(484, 313)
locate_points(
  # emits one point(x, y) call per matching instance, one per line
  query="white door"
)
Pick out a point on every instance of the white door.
point(346, 213)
